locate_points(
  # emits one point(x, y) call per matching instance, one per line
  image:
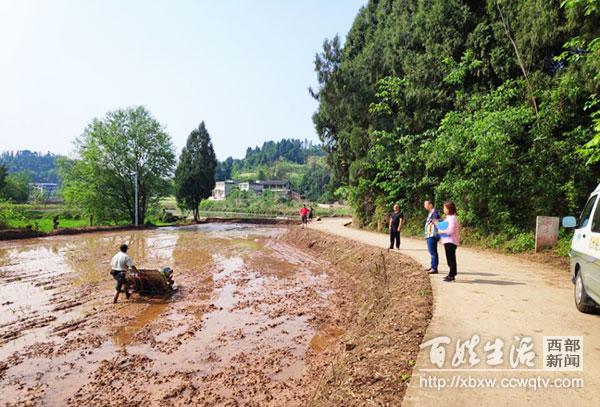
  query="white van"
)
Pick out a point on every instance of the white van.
point(585, 254)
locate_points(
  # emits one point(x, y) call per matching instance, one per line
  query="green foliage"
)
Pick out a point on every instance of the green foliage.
point(315, 184)
point(111, 152)
point(16, 187)
point(300, 162)
point(590, 6)
point(3, 172)
point(268, 203)
point(271, 153)
point(434, 100)
point(251, 203)
point(7, 213)
point(41, 167)
point(29, 216)
point(195, 173)
point(584, 53)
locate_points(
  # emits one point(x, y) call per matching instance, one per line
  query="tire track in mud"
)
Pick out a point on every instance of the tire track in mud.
point(260, 319)
point(238, 329)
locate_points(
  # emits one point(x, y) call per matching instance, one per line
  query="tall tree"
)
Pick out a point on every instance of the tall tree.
point(195, 173)
point(126, 145)
point(465, 100)
point(3, 171)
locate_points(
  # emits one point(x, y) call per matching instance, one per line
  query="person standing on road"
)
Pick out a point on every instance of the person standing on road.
point(395, 226)
point(432, 236)
point(119, 264)
point(304, 215)
point(449, 231)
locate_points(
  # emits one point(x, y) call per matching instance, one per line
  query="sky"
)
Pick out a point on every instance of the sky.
point(241, 66)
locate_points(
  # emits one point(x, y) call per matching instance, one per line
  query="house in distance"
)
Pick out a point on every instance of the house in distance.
point(223, 188)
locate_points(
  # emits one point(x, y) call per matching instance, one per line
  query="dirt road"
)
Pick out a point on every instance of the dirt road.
point(496, 296)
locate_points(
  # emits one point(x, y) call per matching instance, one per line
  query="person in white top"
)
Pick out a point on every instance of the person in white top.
point(119, 264)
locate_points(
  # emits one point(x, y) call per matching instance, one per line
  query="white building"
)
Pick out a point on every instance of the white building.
point(48, 190)
point(223, 188)
point(280, 187)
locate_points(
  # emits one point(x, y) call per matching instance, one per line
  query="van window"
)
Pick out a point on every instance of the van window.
point(584, 219)
point(596, 220)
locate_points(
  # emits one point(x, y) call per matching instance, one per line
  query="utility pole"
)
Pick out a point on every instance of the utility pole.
point(137, 201)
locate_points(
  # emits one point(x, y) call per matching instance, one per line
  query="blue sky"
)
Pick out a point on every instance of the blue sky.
point(241, 66)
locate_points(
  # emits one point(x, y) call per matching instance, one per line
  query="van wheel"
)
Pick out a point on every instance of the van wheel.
point(582, 301)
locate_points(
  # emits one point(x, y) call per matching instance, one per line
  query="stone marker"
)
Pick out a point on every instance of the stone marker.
point(546, 231)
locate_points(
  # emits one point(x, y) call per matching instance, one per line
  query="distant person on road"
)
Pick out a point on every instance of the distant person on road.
point(119, 264)
point(304, 215)
point(395, 226)
point(449, 231)
point(311, 213)
point(432, 236)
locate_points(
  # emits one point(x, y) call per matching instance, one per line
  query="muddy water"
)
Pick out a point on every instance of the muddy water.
point(249, 315)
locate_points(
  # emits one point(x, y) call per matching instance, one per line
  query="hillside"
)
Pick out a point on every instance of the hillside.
point(40, 167)
point(300, 162)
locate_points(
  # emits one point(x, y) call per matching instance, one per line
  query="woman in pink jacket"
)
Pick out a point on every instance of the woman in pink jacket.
point(450, 237)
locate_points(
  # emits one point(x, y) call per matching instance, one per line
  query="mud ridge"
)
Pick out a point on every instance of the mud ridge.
point(391, 306)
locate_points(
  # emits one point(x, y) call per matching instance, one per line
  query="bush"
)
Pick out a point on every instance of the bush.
point(565, 236)
point(7, 213)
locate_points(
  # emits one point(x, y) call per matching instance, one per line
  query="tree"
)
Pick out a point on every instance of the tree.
point(16, 187)
point(111, 152)
point(41, 167)
point(3, 171)
point(464, 100)
point(587, 54)
point(195, 173)
point(224, 169)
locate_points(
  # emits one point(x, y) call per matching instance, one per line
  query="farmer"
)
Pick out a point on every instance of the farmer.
point(432, 236)
point(450, 237)
point(119, 264)
point(395, 226)
point(304, 215)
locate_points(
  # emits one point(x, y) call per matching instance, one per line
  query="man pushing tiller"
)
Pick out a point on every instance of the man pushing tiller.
point(119, 264)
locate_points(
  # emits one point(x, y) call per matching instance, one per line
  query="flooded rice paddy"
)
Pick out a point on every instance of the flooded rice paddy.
point(252, 322)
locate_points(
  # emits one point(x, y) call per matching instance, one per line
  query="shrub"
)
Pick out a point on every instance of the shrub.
point(7, 213)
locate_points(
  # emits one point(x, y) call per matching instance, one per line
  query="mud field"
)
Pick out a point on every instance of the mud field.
point(264, 315)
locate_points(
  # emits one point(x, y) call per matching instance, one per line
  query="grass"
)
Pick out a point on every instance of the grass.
point(46, 224)
point(510, 241)
point(40, 216)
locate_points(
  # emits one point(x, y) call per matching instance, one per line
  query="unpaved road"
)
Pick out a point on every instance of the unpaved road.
point(495, 296)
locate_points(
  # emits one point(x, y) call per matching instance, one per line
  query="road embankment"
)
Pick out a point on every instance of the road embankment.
point(389, 304)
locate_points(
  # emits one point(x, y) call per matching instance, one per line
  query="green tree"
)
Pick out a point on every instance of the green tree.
point(41, 167)
point(111, 152)
point(195, 173)
point(588, 56)
point(315, 183)
point(465, 100)
point(16, 187)
point(3, 172)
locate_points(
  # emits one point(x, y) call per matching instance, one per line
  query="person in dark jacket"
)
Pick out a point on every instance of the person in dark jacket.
point(395, 226)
